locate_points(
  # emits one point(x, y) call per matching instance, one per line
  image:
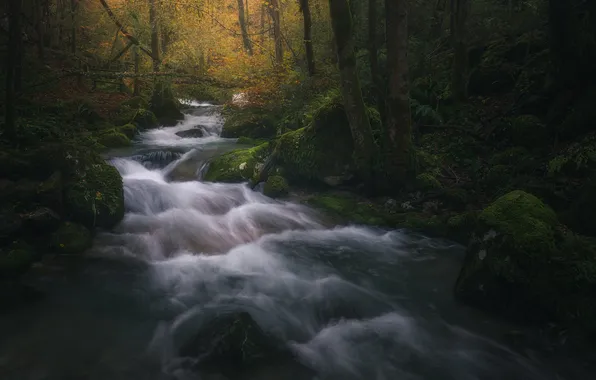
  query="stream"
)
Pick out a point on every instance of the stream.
point(348, 302)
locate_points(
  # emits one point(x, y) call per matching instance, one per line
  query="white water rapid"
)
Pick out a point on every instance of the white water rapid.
point(347, 302)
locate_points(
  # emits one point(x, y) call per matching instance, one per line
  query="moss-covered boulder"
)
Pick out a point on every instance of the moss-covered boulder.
point(314, 155)
point(275, 186)
point(523, 264)
point(248, 122)
point(113, 139)
point(96, 198)
point(16, 259)
point(71, 238)
point(238, 165)
point(128, 130)
point(164, 105)
point(142, 118)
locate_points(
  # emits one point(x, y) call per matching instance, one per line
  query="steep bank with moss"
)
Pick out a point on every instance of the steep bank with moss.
point(55, 189)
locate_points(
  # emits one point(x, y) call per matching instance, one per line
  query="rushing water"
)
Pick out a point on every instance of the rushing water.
point(349, 302)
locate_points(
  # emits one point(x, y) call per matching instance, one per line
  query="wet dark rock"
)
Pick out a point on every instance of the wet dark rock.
point(234, 340)
point(193, 133)
point(40, 221)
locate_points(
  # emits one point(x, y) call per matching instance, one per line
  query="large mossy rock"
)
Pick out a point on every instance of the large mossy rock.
point(165, 106)
point(96, 197)
point(234, 340)
point(71, 238)
point(321, 155)
point(251, 123)
point(523, 264)
point(113, 139)
point(238, 165)
point(16, 259)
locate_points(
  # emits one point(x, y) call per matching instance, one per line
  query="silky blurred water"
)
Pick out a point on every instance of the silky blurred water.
point(349, 302)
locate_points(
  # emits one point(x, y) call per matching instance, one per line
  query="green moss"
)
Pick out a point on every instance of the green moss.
point(71, 238)
point(249, 122)
point(348, 208)
point(524, 218)
point(238, 165)
point(276, 186)
point(129, 130)
point(16, 259)
point(427, 181)
point(96, 198)
point(135, 102)
point(306, 154)
point(113, 139)
point(243, 140)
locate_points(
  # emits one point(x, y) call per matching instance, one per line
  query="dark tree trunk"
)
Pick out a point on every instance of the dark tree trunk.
point(310, 55)
point(373, 51)
point(438, 18)
point(459, 20)
point(275, 16)
point(572, 54)
point(398, 119)
point(73, 26)
point(39, 28)
point(364, 146)
point(137, 63)
point(155, 48)
point(243, 28)
point(12, 64)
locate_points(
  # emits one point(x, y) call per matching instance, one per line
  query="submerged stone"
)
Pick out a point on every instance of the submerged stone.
point(230, 340)
point(191, 133)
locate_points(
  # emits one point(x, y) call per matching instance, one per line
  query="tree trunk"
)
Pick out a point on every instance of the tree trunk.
point(398, 119)
point(39, 28)
point(438, 18)
point(155, 48)
point(364, 146)
point(73, 26)
point(459, 18)
point(275, 16)
point(137, 63)
point(310, 55)
point(263, 15)
point(243, 29)
point(13, 56)
point(373, 50)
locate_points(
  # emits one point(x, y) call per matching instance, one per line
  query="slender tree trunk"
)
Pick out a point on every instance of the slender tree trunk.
point(373, 50)
point(438, 17)
point(13, 56)
point(39, 28)
point(155, 48)
point(137, 64)
point(459, 18)
point(275, 16)
point(310, 55)
point(263, 16)
point(243, 28)
point(398, 119)
point(73, 26)
point(364, 146)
